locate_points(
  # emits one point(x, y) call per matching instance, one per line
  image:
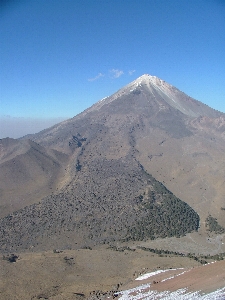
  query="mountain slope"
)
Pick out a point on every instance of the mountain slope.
point(179, 140)
point(181, 283)
point(147, 97)
point(111, 201)
point(105, 190)
point(28, 172)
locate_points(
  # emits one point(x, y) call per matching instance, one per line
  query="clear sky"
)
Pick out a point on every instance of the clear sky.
point(58, 57)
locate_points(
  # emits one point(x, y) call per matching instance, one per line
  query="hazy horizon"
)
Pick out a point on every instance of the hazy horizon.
point(15, 127)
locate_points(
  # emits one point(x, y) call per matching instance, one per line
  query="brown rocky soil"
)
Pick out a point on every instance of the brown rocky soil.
point(203, 279)
point(73, 273)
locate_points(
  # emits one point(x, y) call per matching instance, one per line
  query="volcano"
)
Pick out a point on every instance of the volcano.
point(144, 163)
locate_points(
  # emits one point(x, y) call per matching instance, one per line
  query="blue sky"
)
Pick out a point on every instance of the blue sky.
point(58, 57)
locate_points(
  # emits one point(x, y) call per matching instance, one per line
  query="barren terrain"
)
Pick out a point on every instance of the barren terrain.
point(102, 272)
point(205, 282)
point(61, 275)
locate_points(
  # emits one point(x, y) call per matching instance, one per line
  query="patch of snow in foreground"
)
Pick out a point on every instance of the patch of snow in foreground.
point(147, 275)
point(171, 277)
point(143, 292)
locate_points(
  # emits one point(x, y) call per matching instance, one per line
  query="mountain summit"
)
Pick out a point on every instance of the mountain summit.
point(166, 94)
point(147, 97)
point(144, 163)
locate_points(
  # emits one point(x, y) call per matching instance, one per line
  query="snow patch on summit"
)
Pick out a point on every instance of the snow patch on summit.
point(168, 93)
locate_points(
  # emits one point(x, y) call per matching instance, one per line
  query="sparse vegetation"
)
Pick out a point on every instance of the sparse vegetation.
point(57, 251)
point(10, 258)
point(69, 260)
point(78, 165)
point(121, 249)
point(212, 225)
point(202, 259)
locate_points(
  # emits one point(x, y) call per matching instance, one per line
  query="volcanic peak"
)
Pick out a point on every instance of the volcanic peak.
point(145, 78)
point(148, 79)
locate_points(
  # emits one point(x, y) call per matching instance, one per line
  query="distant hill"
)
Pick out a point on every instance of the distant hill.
point(28, 172)
point(146, 162)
